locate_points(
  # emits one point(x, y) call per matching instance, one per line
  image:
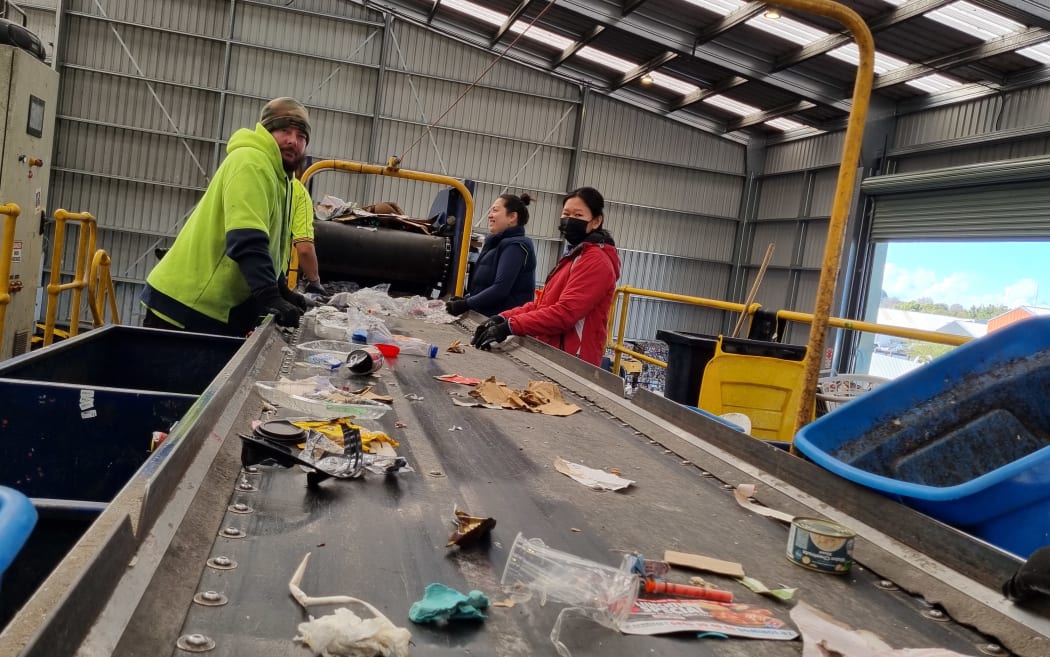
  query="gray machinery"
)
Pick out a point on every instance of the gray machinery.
point(28, 95)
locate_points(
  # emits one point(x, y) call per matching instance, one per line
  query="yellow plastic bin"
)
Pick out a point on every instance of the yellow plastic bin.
point(767, 390)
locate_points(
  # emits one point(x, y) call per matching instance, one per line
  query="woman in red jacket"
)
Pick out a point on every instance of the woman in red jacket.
point(573, 312)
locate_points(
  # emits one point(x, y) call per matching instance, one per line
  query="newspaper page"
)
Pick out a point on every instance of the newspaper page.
point(667, 615)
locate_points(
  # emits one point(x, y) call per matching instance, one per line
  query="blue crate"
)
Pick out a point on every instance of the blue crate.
point(964, 439)
point(17, 519)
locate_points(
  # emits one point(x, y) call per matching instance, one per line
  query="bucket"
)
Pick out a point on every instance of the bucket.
point(604, 593)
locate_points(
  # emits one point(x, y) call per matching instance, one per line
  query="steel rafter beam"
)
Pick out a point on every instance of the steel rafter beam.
point(682, 42)
point(884, 21)
point(585, 39)
point(722, 86)
point(433, 11)
point(731, 20)
point(511, 19)
point(642, 69)
point(998, 46)
point(630, 5)
point(769, 114)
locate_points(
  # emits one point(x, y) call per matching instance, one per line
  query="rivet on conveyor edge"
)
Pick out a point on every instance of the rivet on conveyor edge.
point(195, 643)
point(935, 614)
point(221, 562)
point(210, 599)
point(232, 532)
point(886, 585)
point(251, 469)
point(240, 507)
point(436, 473)
point(685, 463)
point(991, 649)
point(245, 486)
point(728, 486)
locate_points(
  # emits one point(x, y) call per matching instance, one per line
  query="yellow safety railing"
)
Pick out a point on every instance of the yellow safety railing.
point(86, 237)
point(101, 292)
point(9, 212)
point(394, 170)
point(618, 315)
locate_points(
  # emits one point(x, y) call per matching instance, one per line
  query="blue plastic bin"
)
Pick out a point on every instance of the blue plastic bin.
point(17, 519)
point(964, 439)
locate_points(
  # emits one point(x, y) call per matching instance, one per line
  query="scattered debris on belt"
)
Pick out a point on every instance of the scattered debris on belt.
point(458, 378)
point(761, 589)
point(590, 477)
point(469, 529)
point(441, 604)
point(538, 397)
point(706, 564)
point(456, 347)
point(823, 635)
point(344, 633)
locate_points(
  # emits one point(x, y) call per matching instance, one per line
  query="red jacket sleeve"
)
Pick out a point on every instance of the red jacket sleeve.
point(589, 279)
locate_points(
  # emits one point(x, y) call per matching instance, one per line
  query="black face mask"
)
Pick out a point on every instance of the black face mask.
point(573, 230)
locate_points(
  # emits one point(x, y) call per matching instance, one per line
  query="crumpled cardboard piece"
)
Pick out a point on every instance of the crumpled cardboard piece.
point(469, 529)
point(538, 397)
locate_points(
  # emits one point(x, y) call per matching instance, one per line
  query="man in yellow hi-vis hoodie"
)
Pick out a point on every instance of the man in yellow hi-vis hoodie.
point(226, 268)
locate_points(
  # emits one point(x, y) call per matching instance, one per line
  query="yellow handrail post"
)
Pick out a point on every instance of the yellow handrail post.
point(621, 329)
point(9, 212)
point(852, 21)
point(100, 290)
point(85, 240)
point(393, 170)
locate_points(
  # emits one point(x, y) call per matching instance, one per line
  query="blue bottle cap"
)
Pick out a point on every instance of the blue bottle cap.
point(433, 351)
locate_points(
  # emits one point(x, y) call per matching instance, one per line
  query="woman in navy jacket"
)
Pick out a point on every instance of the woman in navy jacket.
point(504, 275)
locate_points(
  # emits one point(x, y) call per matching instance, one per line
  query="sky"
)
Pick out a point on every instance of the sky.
point(970, 274)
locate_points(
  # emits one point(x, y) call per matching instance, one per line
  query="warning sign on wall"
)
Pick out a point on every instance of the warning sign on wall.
point(16, 251)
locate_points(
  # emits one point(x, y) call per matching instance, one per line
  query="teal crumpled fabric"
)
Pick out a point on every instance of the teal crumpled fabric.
point(441, 604)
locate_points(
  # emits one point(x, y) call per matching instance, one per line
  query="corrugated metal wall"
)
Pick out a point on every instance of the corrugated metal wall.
point(150, 91)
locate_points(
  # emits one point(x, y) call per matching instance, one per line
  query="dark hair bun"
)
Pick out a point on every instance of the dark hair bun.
point(525, 198)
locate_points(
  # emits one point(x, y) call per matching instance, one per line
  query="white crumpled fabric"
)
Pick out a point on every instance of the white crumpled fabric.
point(345, 634)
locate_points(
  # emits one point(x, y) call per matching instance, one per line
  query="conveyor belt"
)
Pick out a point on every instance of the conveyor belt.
point(383, 539)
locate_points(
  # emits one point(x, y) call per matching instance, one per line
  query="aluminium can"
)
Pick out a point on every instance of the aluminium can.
point(821, 545)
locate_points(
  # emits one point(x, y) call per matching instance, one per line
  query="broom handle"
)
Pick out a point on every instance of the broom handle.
point(754, 289)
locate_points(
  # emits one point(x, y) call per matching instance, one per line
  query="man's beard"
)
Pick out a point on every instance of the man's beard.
point(290, 167)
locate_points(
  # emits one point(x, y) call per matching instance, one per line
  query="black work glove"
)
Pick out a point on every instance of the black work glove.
point(284, 312)
point(496, 333)
point(315, 287)
point(484, 326)
point(456, 306)
point(1032, 578)
point(298, 300)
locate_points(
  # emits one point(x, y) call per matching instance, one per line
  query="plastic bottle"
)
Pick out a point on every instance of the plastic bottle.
point(415, 346)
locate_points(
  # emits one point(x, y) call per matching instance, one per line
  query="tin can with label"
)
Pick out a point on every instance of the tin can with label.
point(364, 360)
point(821, 545)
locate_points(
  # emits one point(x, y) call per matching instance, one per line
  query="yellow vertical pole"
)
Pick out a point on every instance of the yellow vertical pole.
point(843, 190)
point(9, 212)
point(85, 239)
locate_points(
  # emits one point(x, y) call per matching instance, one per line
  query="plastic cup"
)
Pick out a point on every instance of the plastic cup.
point(388, 350)
point(604, 593)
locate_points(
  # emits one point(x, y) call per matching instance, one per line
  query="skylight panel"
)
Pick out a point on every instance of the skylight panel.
point(605, 59)
point(786, 28)
point(477, 11)
point(674, 84)
point(935, 83)
point(731, 105)
point(1040, 53)
point(884, 63)
point(541, 35)
point(722, 7)
point(974, 20)
point(784, 124)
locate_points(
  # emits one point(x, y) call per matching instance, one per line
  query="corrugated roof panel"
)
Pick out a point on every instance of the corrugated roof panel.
point(520, 116)
point(619, 129)
point(816, 237)
point(135, 155)
point(204, 17)
point(942, 123)
point(781, 196)
point(88, 95)
point(268, 74)
point(306, 34)
point(782, 235)
point(820, 151)
point(123, 205)
point(189, 60)
point(824, 184)
point(426, 53)
point(656, 185)
point(672, 233)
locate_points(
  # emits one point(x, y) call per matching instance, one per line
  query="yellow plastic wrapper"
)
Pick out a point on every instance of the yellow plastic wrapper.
point(333, 430)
